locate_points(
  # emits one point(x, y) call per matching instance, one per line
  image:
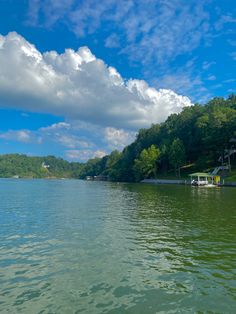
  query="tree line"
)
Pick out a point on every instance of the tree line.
point(37, 167)
point(189, 141)
point(192, 140)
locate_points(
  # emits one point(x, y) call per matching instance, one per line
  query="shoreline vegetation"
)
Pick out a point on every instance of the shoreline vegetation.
point(199, 138)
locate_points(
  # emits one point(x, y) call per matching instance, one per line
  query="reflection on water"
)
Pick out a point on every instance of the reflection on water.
point(91, 247)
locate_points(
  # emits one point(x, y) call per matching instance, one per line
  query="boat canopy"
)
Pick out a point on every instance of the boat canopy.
point(203, 178)
point(201, 174)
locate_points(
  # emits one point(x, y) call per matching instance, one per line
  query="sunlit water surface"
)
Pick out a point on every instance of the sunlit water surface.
point(68, 246)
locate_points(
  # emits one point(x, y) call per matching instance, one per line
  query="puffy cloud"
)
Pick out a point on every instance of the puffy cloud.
point(224, 19)
point(75, 141)
point(56, 126)
point(99, 153)
point(153, 31)
point(52, 9)
point(71, 141)
point(118, 138)
point(64, 134)
point(60, 133)
point(24, 136)
point(233, 55)
point(207, 64)
point(78, 86)
point(84, 155)
point(211, 78)
point(187, 80)
point(112, 41)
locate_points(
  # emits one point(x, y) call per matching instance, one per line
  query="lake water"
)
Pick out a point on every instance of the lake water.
point(69, 246)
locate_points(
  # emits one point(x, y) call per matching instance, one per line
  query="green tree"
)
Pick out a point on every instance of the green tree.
point(31, 167)
point(164, 160)
point(145, 166)
point(177, 155)
point(112, 159)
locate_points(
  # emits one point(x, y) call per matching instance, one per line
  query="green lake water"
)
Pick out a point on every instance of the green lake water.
point(69, 246)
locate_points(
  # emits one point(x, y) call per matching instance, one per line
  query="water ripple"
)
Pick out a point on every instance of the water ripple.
point(91, 247)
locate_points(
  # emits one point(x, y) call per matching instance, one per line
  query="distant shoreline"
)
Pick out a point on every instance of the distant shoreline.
point(145, 181)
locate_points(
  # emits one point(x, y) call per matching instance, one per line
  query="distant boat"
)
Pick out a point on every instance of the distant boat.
point(89, 178)
point(204, 179)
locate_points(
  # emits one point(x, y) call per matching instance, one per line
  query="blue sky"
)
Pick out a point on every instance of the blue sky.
point(79, 78)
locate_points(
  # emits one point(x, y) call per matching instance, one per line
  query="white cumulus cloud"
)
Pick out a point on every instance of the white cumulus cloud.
point(118, 138)
point(84, 155)
point(78, 86)
point(23, 136)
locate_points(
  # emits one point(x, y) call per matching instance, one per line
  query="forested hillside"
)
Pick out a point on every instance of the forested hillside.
point(191, 140)
point(37, 167)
